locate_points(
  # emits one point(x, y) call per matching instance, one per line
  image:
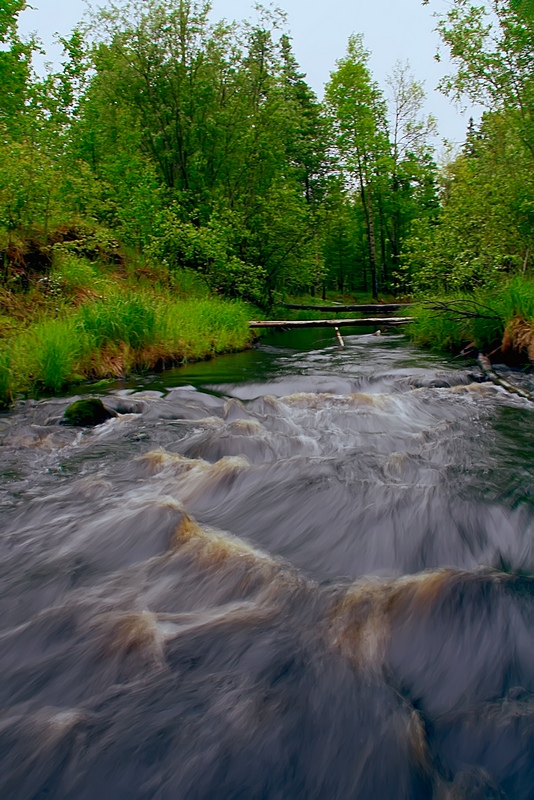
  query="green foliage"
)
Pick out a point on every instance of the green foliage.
point(282, 240)
point(202, 147)
point(208, 250)
point(185, 284)
point(344, 246)
point(389, 165)
point(27, 187)
point(443, 331)
point(15, 60)
point(86, 239)
point(191, 157)
point(517, 298)
point(358, 114)
point(216, 167)
point(492, 46)
point(484, 232)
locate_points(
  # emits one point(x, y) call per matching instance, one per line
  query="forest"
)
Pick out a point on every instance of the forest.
point(177, 175)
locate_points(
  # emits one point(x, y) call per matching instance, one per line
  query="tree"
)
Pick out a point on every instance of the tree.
point(344, 242)
point(492, 47)
point(358, 113)
point(15, 66)
point(221, 117)
point(413, 171)
point(484, 230)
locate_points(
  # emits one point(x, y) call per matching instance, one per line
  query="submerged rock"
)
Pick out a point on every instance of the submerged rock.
point(90, 411)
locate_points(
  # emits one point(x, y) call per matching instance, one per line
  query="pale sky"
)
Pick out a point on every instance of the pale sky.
point(392, 29)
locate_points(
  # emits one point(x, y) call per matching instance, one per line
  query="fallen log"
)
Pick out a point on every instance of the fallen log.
point(487, 369)
point(330, 323)
point(378, 308)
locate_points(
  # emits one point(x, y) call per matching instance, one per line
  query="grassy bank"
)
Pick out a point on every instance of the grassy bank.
point(83, 324)
point(499, 319)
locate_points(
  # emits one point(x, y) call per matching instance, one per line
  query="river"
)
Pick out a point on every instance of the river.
point(295, 572)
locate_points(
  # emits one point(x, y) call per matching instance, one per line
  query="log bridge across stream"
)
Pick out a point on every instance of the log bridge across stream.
point(390, 322)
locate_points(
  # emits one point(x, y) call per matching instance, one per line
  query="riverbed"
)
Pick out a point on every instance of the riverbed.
point(296, 572)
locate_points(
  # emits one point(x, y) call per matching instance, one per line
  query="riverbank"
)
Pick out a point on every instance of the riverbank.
point(498, 321)
point(86, 321)
point(81, 323)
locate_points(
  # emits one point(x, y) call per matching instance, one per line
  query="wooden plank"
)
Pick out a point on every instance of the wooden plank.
point(330, 323)
point(378, 308)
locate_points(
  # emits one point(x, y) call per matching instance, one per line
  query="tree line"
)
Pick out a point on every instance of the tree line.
point(198, 145)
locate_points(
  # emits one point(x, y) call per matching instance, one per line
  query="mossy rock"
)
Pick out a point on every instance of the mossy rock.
point(88, 412)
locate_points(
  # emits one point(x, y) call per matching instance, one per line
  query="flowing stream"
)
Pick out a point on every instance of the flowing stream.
point(296, 572)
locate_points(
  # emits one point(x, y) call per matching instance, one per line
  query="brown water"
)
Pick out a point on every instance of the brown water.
point(309, 574)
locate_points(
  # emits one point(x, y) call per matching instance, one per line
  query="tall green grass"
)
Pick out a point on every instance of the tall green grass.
point(515, 298)
point(55, 351)
point(47, 355)
point(452, 321)
point(199, 328)
point(73, 273)
point(128, 318)
point(112, 336)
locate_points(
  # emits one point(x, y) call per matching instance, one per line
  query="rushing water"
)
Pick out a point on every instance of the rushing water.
point(306, 574)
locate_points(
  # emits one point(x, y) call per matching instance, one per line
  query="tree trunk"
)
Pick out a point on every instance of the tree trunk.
point(364, 274)
point(367, 203)
point(383, 247)
point(372, 251)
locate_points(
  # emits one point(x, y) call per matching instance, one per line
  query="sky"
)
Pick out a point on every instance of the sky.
point(393, 30)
